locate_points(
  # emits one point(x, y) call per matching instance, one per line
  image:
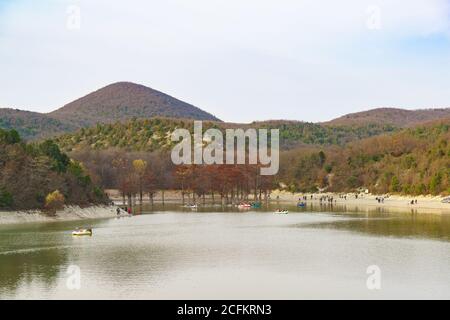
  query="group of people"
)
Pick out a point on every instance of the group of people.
point(126, 209)
point(380, 199)
point(328, 199)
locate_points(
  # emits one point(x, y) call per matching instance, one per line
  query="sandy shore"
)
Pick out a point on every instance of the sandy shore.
point(425, 204)
point(364, 202)
point(69, 213)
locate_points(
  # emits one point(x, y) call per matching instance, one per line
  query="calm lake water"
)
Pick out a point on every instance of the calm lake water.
point(207, 254)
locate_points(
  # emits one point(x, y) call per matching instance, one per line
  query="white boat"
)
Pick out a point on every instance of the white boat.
point(82, 232)
point(191, 206)
point(282, 211)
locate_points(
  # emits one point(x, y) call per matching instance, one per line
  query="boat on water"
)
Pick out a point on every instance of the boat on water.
point(191, 206)
point(256, 205)
point(82, 232)
point(301, 204)
point(244, 205)
point(282, 211)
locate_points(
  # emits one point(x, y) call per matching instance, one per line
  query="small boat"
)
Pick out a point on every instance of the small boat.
point(301, 204)
point(256, 205)
point(82, 232)
point(191, 206)
point(244, 205)
point(284, 211)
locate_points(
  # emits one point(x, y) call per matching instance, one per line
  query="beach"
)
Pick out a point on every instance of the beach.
point(364, 202)
point(396, 203)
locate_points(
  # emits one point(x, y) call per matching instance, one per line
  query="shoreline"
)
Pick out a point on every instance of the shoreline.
point(425, 204)
point(364, 199)
point(364, 203)
point(69, 213)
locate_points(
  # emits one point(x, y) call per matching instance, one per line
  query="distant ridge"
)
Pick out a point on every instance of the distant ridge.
point(33, 125)
point(119, 101)
point(125, 100)
point(392, 116)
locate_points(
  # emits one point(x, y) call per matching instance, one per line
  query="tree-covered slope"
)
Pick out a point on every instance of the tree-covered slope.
point(125, 100)
point(391, 116)
point(154, 134)
point(36, 176)
point(413, 161)
point(120, 101)
point(33, 125)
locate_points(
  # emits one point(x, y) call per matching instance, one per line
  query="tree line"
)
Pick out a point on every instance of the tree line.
point(412, 161)
point(139, 174)
point(40, 176)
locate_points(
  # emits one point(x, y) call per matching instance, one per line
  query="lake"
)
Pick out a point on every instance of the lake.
point(215, 253)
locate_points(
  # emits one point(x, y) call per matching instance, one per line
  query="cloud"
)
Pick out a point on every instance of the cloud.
point(241, 60)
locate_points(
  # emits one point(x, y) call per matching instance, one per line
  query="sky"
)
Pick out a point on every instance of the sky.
point(241, 60)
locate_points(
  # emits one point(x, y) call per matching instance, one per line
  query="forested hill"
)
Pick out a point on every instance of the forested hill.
point(154, 134)
point(40, 176)
point(413, 161)
point(119, 101)
point(410, 161)
point(391, 116)
point(125, 100)
point(33, 125)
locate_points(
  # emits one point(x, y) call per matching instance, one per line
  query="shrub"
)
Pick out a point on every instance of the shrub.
point(99, 193)
point(395, 184)
point(60, 160)
point(6, 199)
point(435, 183)
point(9, 137)
point(54, 201)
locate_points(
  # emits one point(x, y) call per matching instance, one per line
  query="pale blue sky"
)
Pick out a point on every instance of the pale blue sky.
point(240, 60)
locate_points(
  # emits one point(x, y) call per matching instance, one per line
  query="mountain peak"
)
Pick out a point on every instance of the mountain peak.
point(124, 100)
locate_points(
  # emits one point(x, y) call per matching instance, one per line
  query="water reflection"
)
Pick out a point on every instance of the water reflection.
point(29, 257)
point(174, 252)
point(428, 227)
point(371, 220)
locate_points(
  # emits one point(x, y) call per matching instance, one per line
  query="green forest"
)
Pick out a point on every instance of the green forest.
point(314, 157)
point(412, 161)
point(154, 134)
point(134, 157)
point(40, 176)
